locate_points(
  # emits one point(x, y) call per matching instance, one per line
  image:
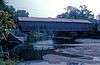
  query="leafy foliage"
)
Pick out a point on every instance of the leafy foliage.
point(6, 24)
point(2, 5)
point(7, 62)
point(21, 13)
point(7, 8)
point(75, 13)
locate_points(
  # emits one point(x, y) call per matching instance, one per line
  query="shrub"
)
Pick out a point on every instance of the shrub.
point(7, 62)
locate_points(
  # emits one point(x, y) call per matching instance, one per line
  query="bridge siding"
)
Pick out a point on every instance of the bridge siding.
point(55, 26)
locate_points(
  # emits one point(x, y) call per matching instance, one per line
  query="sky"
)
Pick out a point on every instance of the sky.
point(51, 8)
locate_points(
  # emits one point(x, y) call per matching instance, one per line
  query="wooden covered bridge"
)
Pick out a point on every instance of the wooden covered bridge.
point(27, 24)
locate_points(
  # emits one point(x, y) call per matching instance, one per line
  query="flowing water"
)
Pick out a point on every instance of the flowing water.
point(89, 48)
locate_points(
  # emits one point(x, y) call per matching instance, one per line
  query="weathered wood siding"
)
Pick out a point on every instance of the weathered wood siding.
point(55, 26)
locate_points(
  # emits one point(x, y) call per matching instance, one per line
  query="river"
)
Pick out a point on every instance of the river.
point(85, 50)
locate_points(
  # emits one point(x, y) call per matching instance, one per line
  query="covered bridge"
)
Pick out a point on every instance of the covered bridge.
point(27, 24)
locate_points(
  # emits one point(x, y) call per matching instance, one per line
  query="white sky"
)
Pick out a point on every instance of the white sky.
point(51, 8)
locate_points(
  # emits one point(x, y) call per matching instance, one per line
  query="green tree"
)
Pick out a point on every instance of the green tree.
point(6, 24)
point(75, 13)
point(2, 5)
point(5, 7)
point(21, 13)
point(6, 19)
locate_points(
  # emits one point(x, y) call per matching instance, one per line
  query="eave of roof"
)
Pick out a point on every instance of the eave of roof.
point(36, 19)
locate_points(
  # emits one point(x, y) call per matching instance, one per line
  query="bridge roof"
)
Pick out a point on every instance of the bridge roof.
point(36, 19)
